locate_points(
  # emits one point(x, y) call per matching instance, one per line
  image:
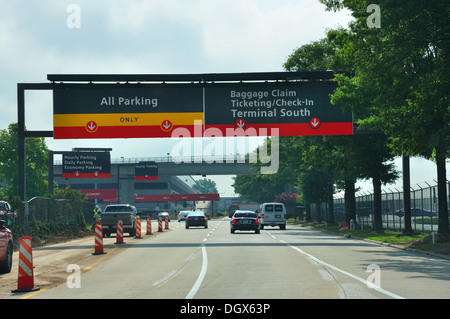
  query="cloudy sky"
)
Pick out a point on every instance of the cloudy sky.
point(148, 37)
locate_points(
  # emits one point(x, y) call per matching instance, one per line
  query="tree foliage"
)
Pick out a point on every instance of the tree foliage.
point(36, 157)
point(205, 186)
point(401, 78)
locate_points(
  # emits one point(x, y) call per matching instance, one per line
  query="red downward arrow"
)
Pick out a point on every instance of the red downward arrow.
point(315, 123)
point(240, 123)
point(166, 125)
point(91, 127)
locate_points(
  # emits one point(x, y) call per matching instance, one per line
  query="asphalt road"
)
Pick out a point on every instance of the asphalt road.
point(212, 263)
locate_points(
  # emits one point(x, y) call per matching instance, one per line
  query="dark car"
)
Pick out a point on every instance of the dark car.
point(245, 220)
point(6, 248)
point(416, 212)
point(196, 219)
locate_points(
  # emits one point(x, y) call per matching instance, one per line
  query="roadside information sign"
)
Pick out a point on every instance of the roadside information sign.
point(86, 165)
point(146, 171)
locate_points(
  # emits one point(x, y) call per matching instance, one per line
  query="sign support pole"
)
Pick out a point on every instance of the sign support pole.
point(23, 133)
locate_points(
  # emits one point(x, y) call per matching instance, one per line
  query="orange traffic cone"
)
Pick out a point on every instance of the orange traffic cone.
point(25, 281)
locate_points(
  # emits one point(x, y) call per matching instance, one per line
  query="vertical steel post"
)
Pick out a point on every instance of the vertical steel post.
point(21, 141)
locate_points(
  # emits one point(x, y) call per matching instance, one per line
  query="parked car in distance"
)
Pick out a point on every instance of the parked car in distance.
point(245, 220)
point(163, 215)
point(273, 214)
point(6, 213)
point(416, 212)
point(196, 218)
point(112, 213)
point(182, 215)
point(6, 248)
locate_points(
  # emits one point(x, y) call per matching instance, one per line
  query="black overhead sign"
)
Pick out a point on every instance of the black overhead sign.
point(86, 165)
point(288, 107)
point(124, 111)
point(295, 108)
point(145, 171)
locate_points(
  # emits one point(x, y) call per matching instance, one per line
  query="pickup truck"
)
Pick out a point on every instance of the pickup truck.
point(112, 213)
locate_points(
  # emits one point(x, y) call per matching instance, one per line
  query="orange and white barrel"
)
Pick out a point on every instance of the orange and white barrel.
point(25, 280)
point(138, 228)
point(119, 233)
point(98, 239)
point(167, 223)
point(160, 227)
point(149, 225)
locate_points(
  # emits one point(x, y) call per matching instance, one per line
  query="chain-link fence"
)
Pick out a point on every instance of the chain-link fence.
point(46, 211)
point(424, 208)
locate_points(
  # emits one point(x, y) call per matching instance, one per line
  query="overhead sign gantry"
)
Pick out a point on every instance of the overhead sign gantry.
point(293, 103)
point(144, 106)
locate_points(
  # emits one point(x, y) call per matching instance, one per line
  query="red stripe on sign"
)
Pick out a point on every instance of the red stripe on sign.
point(148, 178)
point(99, 193)
point(146, 198)
point(285, 129)
point(86, 175)
point(71, 132)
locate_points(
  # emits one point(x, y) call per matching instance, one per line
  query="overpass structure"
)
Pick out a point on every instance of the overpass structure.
point(195, 165)
point(173, 179)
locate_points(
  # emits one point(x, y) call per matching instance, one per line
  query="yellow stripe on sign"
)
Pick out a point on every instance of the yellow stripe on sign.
point(125, 119)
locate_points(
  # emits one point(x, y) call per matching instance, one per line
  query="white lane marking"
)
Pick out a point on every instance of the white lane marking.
point(210, 233)
point(270, 235)
point(201, 276)
point(165, 278)
point(321, 262)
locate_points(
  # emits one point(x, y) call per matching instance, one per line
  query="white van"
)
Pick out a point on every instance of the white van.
point(273, 214)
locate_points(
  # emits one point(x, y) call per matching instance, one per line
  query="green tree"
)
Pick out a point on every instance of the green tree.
point(341, 158)
point(205, 186)
point(314, 189)
point(401, 69)
point(264, 187)
point(36, 163)
point(257, 188)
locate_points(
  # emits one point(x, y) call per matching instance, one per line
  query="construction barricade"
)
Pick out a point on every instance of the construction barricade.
point(149, 225)
point(98, 240)
point(138, 228)
point(119, 233)
point(160, 226)
point(25, 280)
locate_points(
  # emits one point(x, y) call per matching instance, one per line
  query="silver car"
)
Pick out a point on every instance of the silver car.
point(182, 215)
